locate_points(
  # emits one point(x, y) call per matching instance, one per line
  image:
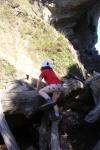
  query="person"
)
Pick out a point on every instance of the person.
point(53, 85)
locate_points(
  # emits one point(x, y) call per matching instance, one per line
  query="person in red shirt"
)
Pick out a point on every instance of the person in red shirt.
point(53, 85)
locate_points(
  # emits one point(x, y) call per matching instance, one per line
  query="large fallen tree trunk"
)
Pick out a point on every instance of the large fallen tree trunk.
point(94, 84)
point(19, 99)
point(6, 133)
point(25, 102)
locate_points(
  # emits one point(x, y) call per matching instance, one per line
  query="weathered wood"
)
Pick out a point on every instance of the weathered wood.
point(94, 84)
point(97, 146)
point(55, 144)
point(25, 102)
point(44, 134)
point(6, 133)
point(65, 143)
point(22, 101)
point(18, 98)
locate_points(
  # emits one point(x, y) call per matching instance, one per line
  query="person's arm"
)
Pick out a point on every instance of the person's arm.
point(38, 83)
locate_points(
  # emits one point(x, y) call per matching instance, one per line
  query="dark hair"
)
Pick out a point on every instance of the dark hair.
point(47, 67)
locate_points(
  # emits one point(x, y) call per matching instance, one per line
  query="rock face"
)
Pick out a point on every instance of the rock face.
point(78, 20)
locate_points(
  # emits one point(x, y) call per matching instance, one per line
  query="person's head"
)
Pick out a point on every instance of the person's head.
point(46, 65)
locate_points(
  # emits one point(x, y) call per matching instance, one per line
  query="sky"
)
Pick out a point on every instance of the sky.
point(98, 32)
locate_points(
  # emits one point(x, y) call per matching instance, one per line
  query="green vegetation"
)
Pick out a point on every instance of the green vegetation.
point(7, 73)
point(34, 35)
point(50, 44)
point(6, 13)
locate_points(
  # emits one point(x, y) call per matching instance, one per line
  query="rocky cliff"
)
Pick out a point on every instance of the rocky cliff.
point(78, 20)
point(27, 28)
point(27, 39)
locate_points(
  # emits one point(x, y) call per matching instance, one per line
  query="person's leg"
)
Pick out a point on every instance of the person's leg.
point(43, 92)
point(55, 97)
point(49, 89)
point(56, 90)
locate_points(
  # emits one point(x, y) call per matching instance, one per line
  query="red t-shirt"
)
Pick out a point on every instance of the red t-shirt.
point(49, 76)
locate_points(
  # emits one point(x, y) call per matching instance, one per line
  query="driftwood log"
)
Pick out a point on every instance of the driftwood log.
point(6, 133)
point(94, 85)
point(21, 104)
point(25, 102)
point(19, 99)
